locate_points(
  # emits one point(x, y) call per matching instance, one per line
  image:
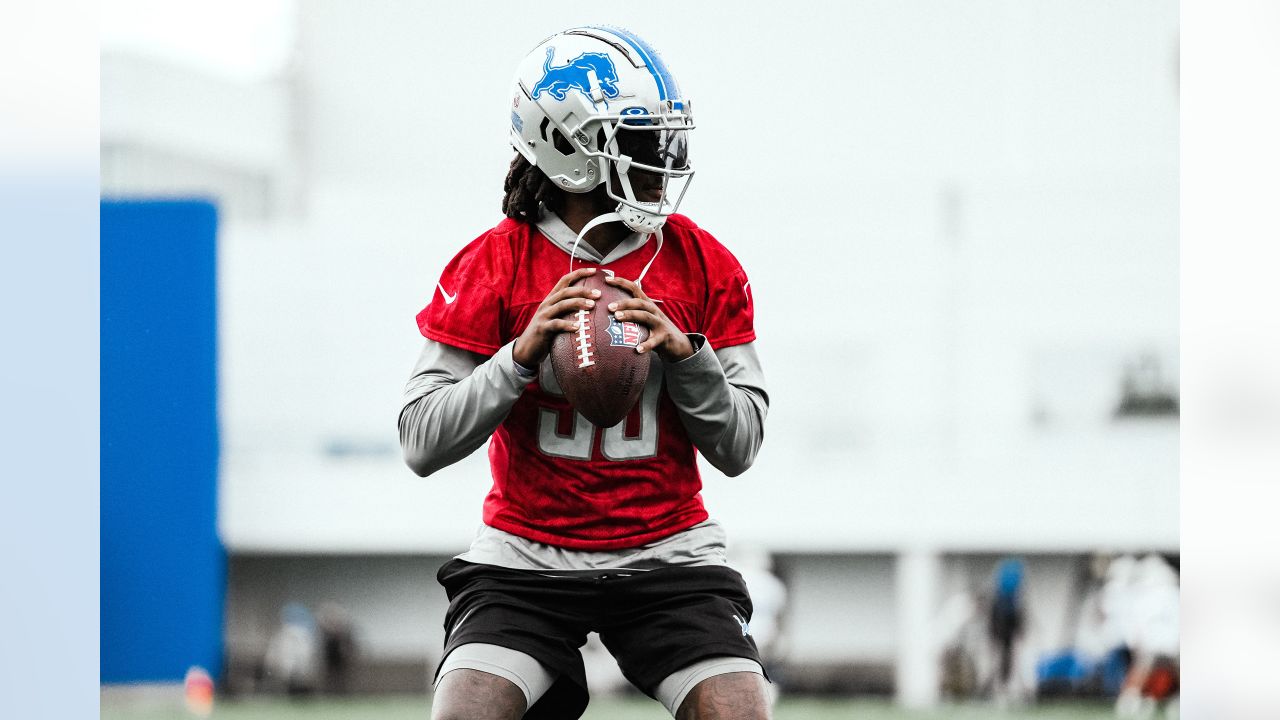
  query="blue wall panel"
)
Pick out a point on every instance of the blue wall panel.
point(163, 568)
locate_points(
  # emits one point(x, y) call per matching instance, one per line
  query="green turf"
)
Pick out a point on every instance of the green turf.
point(418, 708)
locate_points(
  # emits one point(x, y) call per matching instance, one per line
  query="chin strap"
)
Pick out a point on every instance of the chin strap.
point(596, 221)
point(613, 217)
point(657, 232)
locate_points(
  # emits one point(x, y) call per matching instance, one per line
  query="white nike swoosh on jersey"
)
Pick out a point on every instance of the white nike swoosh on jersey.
point(448, 299)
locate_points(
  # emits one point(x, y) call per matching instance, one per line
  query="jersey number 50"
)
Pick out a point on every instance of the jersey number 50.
point(614, 443)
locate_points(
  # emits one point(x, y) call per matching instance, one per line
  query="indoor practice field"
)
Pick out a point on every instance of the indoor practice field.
point(417, 708)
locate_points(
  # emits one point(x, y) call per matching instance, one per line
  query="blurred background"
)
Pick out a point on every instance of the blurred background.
point(960, 220)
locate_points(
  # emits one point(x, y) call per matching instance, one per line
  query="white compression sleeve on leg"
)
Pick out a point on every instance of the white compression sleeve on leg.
point(532, 677)
point(672, 691)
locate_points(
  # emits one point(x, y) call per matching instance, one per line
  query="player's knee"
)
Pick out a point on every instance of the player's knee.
point(731, 696)
point(467, 694)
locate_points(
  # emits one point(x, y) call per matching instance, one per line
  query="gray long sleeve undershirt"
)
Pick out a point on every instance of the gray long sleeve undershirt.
point(722, 402)
point(455, 400)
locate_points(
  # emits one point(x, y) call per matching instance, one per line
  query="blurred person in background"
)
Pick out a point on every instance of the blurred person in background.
point(292, 659)
point(1007, 631)
point(1117, 619)
point(590, 529)
point(1099, 648)
point(1151, 634)
point(982, 640)
point(337, 647)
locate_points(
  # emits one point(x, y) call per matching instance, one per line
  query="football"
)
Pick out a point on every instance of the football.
point(597, 367)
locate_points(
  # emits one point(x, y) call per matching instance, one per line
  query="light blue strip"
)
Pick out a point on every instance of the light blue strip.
point(662, 76)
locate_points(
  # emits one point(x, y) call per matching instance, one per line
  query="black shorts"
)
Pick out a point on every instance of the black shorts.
point(653, 622)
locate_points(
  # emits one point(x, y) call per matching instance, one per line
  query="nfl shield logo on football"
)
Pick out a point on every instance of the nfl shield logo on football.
point(623, 333)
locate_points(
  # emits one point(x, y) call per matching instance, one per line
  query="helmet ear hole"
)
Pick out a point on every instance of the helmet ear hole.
point(561, 143)
point(546, 121)
point(600, 140)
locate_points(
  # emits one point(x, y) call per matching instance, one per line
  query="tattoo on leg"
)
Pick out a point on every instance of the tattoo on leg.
point(732, 696)
point(468, 694)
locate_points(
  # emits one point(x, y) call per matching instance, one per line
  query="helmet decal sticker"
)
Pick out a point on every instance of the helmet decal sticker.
point(576, 75)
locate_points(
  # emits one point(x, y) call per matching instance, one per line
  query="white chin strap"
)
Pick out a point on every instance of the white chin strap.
point(653, 226)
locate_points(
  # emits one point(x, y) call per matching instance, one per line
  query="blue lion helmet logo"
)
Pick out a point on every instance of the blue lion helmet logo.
point(557, 81)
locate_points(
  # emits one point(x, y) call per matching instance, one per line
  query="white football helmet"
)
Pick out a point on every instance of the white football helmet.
point(594, 100)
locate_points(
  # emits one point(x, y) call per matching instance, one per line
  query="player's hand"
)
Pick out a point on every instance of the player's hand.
point(535, 342)
point(664, 337)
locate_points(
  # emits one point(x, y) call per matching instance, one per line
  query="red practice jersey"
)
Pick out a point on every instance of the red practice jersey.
point(558, 479)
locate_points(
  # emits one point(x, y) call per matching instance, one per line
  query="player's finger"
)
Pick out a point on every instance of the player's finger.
point(636, 304)
point(647, 319)
point(571, 292)
point(561, 325)
point(627, 285)
point(572, 276)
point(654, 340)
point(568, 305)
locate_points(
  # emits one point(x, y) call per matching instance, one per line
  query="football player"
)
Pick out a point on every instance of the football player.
point(586, 528)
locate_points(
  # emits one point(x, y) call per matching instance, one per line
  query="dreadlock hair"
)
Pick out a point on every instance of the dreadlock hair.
point(525, 187)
